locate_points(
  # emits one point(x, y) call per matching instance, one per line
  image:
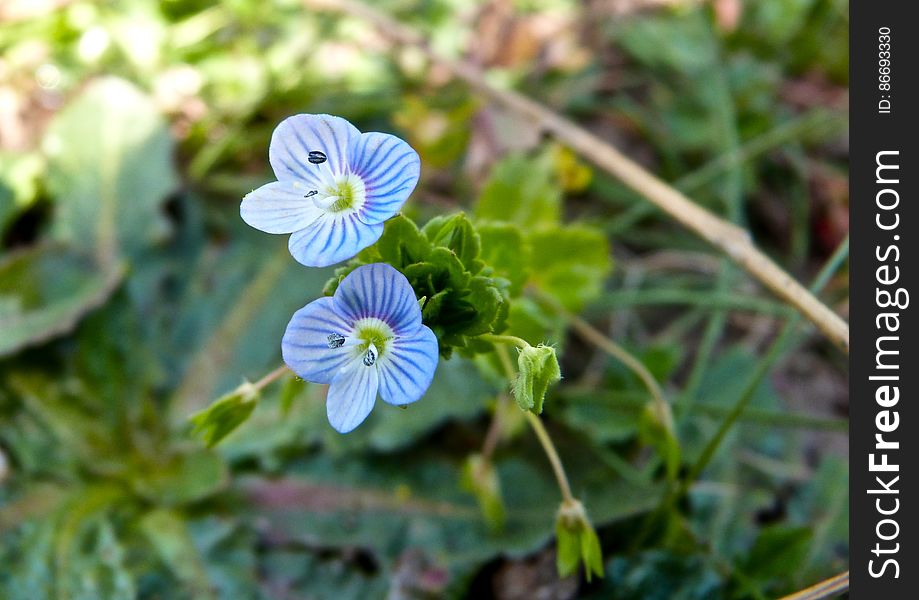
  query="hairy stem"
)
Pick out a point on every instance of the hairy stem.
point(507, 340)
point(539, 429)
point(271, 377)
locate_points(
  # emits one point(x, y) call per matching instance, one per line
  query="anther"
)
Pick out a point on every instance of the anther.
point(370, 357)
point(311, 193)
point(336, 340)
point(316, 157)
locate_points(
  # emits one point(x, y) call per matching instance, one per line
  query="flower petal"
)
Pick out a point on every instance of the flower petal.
point(382, 292)
point(332, 238)
point(305, 345)
point(389, 168)
point(297, 136)
point(408, 367)
point(351, 396)
point(279, 207)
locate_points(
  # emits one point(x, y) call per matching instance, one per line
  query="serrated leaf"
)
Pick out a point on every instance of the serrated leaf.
point(109, 169)
point(570, 262)
point(456, 233)
point(45, 291)
point(402, 243)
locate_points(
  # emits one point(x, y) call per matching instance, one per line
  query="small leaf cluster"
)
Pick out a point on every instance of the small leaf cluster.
point(461, 297)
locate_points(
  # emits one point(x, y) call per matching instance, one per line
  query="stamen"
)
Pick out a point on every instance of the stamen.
point(336, 340)
point(311, 193)
point(316, 157)
point(325, 202)
point(371, 356)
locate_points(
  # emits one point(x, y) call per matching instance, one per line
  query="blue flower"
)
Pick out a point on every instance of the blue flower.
point(365, 339)
point(336, 186)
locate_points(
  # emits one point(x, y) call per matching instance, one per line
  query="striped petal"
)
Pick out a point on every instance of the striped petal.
point(305, 345)
point(328, 138)
point(389, 168)
point(408, 367)
point(351, 396)
point(332, 238)
point(279, 207)
point(381, 292)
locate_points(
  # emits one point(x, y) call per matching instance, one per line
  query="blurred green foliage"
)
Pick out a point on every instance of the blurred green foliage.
point(132, 297)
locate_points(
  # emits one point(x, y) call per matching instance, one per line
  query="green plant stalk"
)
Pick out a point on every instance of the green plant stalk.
point(539, 429)
point(507, 340)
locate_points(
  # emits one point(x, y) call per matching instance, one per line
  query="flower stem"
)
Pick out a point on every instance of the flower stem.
point(271, 377)
point(540, 430)
point(493, 435)
point(509, 340)
point(541, 434)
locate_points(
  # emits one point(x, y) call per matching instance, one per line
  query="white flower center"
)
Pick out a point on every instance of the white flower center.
point(340, 193)
point(370, 340)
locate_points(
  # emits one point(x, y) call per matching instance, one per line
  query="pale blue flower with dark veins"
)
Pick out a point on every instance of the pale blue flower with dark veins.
point(336, 186)
point(367, 338)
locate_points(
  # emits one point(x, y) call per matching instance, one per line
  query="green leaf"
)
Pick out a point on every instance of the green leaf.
point(109, 169)
point(402, 243)
point(19, 183)
point(45, 291)
point(167, 533)
point(656, 429)
point(505, 250)
point(537, 370)
point(456, 233)
point(480, 478)
point(226, 414)
point(182, 478)
point(523, 191)
point(778, 550)
point(571, 263)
